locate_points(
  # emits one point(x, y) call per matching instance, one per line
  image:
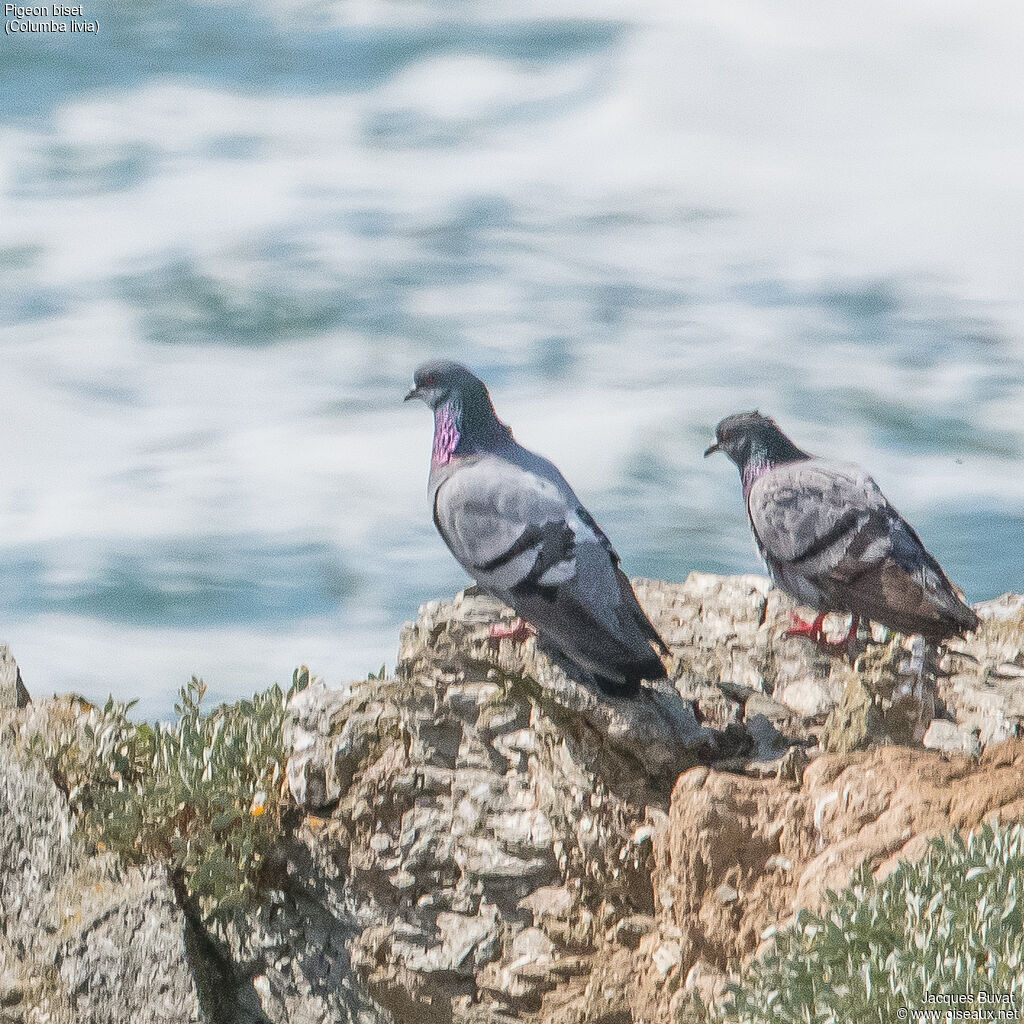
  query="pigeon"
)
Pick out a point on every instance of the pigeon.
point(515, 525)
point(831, 539)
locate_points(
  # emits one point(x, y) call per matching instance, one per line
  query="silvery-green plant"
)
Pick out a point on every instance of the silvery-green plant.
point(204, 794)
point(948, 925)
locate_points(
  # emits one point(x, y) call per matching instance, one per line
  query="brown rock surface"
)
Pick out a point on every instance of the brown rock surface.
point(739, 855)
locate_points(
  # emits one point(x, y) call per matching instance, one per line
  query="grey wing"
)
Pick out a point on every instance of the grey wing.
point(831, 538)
point(808, 513)
point(506, 526)
point(527, 540)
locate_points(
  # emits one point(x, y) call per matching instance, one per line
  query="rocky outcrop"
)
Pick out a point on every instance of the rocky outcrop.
point(12, 690)
point(736, 856)
point(84, 938)
point(533, 851)
point(481, 838)
point(983, 682)
point(491, 811)
point(728, 636)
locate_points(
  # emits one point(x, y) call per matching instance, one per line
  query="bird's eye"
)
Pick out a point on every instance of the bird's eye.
point(429, 381)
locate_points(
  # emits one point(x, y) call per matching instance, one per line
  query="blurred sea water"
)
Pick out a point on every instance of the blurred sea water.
point(229, 233)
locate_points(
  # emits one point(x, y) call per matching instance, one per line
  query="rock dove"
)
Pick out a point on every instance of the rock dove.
point(515, 525)
point(832, 540)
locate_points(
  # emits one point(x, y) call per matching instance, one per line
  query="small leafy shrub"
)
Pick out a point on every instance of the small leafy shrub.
point(203, 794)
point(948, 925)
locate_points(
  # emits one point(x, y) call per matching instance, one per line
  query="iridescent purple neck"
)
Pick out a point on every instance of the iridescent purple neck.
point(753, 469)
point(447, 432)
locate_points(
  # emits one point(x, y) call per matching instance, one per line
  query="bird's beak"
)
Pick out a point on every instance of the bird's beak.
point(716, 447)
point(415, 393)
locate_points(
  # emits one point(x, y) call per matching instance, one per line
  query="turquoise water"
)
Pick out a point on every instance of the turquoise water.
point(228, 235)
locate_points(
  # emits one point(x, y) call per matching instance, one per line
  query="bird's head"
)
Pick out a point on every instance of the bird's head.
point(441, 380)
point(747, 436)
point(464, 419)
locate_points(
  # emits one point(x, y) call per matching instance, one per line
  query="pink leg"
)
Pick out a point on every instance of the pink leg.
point(517, 631)
point(811, 630)
point(815, 632)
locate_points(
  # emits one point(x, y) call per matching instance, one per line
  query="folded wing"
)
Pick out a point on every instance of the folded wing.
point(830, 538)
point(527, 540)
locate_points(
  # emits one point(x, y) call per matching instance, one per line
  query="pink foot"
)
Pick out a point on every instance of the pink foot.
point(815, 632)
point(811, 630)
point(517, 631)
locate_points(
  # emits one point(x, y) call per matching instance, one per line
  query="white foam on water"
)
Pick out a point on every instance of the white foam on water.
point(812, 210)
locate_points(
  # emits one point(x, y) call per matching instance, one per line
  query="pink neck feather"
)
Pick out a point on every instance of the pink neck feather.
point(446, 434)
point(752, 472)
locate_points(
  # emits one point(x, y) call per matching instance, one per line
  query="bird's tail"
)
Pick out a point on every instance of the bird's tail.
point(628, 683)
point(616, 659)
point(630, 602)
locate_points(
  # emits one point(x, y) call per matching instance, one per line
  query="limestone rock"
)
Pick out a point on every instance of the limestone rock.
point(727, 634)
point(983, 680)
point(490, 796)
point(115, 935)
point(490, 803)
point(123, 955)
point(950, 737)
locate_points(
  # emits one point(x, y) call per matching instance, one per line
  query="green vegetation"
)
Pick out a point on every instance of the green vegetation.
point(203, 794)
point(947, 926)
